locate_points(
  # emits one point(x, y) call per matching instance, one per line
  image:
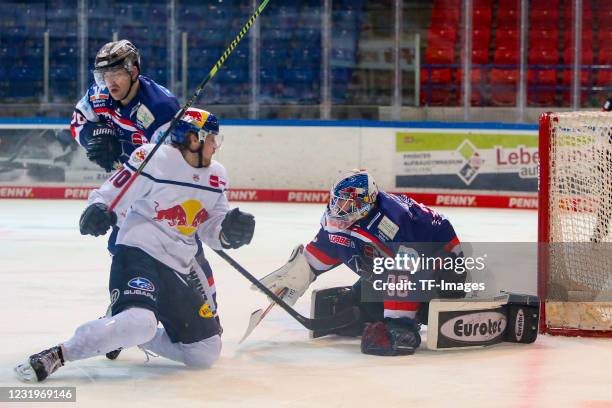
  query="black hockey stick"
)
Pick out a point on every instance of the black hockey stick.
point(327, 323)
point(190, 102)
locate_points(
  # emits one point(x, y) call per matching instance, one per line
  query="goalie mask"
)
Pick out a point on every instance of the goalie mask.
point(351, 198)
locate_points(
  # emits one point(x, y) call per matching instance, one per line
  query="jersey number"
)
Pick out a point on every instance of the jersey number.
point(120, 177)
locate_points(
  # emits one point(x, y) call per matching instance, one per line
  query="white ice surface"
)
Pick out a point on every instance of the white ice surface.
point(52, 279)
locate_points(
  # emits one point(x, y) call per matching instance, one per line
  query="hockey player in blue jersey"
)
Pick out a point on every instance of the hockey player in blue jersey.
point(153, 275)
point(122, 109)
point(359, 224)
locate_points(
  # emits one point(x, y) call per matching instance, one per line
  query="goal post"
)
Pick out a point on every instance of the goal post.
point(574, 216)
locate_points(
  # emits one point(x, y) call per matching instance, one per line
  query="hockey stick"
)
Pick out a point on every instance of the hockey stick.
point(327, 323)
point(258, 315)
point(190, 102)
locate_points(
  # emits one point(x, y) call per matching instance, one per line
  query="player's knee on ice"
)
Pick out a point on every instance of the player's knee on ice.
point(202, 354)
point(126, 329)
point(143, 321)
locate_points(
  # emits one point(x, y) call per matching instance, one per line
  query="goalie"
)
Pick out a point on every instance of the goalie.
point(360, 223)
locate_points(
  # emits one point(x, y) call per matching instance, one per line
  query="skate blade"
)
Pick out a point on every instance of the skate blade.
point(25, 372)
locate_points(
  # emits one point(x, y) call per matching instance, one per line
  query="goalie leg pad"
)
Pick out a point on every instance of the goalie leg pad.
point(523, 314)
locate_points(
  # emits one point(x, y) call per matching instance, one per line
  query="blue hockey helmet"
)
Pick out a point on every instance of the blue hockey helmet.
point(352, 197)
point(200, 122)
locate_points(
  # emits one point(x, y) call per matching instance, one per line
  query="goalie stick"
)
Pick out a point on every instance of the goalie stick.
point(328, 323)
point(190, 102)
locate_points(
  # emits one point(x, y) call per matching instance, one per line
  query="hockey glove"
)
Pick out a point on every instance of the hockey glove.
point(295, 275)
point(103, 148)
point(236, 229)
point(393, 337)
point(96, 220)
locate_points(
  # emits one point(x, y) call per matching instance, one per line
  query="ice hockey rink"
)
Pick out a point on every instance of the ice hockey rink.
point(53, 279)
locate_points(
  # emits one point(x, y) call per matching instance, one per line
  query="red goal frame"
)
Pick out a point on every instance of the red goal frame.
point(544, 235)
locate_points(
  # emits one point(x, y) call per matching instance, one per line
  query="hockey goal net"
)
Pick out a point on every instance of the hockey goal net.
point(575, 211)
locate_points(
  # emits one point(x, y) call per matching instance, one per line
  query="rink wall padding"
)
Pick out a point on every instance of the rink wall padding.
point(441, 164)
point(292, 196)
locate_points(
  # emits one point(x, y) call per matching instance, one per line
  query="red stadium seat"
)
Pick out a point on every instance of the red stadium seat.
point(476, 76)
point(544, 18)
point(551, 37)
point(544, 4)
point(541, 97)
point(436, 76)
point(441, 55)
point(508, 18)
point(604, 37)
point(441, 37)
point(503, 96)
point(478, 81)
point(445, 17)
point(587, 78)
point(567, 77)
point(586, 56)
point(447, 4)
point(543, 55)
point(503, 86)
point(506, 38)
point(507, 56)
point(437, 97)
point(587, 38)
point(481, 37)
point(481, 17)
point(480, 56)
point(605, 56)
point(509, 5)
point(504, 76)
point(542, 76)
point(482, 4)
point(605, 18)
point(587, 15)
point(604, 78)
point(566, 97)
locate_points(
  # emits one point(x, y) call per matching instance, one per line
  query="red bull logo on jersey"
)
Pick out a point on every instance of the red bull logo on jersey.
point(184, 217)
point(140, 155)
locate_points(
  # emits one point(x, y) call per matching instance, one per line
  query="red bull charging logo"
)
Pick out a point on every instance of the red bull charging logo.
point(185, 217)
point(199, 116)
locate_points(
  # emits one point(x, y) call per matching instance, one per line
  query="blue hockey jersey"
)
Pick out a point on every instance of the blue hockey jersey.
point(147, 115)
point(395, 219)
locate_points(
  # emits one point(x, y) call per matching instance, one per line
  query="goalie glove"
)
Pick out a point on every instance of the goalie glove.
point(296, 275)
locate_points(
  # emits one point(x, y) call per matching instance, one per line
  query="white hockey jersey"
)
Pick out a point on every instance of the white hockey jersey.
point(167, 205)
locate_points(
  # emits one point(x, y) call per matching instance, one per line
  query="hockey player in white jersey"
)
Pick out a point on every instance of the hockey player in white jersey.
point(153, 276)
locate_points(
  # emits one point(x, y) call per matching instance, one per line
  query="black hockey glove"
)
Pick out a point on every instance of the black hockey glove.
point(237, 229)
point(103, 148)
point(96, 220)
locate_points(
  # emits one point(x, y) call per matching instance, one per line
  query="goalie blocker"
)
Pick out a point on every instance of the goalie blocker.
point(452, 323)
